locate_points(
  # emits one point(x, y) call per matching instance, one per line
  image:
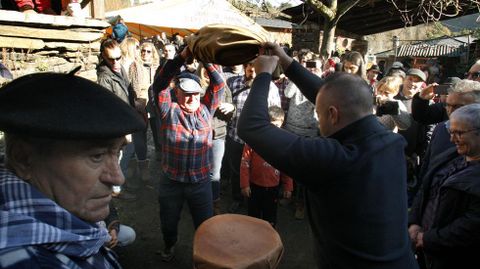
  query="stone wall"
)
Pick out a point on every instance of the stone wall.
point(32, 43)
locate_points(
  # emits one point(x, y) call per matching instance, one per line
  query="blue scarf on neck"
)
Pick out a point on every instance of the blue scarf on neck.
point(28, 218)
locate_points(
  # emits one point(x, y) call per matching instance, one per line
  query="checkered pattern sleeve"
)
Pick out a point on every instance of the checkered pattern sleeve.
point(216, 88)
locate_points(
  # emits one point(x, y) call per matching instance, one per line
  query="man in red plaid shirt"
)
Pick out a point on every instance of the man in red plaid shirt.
point(186, 137)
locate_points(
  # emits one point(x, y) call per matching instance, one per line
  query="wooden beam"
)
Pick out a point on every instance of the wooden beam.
point(98, 9)
point(340, 32)
point(52, 34)
point(21, 43)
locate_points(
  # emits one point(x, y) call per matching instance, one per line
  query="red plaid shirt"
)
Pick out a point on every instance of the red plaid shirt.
point(186, 137)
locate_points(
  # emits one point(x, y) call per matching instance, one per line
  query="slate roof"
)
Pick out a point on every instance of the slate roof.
point(273, 23)
point(445, 46)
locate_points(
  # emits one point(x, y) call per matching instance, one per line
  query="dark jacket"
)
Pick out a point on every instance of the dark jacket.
point(117, 83)
point(426, 113)
point(418, 134)
point(439, 143)
point(454, 239)
point(357, 200)
point(220, 120)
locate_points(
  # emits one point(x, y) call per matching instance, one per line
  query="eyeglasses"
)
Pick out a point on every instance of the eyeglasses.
point(460, 133)
point(453, 107)
point(472, 75)
point(146, 51)
point(115, 59)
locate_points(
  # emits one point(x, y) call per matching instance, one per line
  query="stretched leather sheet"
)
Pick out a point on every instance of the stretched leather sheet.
point(231, 241)
point(226, 44)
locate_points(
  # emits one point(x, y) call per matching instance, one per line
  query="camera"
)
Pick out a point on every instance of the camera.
point(311, 64)
point(441, 89)
point(387, 108)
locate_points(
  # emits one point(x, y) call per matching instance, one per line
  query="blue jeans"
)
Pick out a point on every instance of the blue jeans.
point(218, 150)
point(172, 195)
point(137, 147)
point(127, 153)
point(140, 144)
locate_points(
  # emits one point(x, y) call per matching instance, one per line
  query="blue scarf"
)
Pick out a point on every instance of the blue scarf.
point(27, 217)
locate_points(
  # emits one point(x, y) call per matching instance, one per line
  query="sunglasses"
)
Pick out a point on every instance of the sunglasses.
point(115, 59)
point(147, 51)
point(472, 75)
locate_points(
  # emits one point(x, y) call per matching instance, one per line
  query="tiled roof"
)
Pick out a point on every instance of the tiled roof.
point(446, 46)
point(425, 50)
point(273, 23)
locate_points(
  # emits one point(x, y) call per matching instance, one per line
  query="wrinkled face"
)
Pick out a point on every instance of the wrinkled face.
point(79, 175)
point(249, 71)
point(412, 85)
point(188, 102)
point(112, 57)
point(465, 137)
point(147, 53)
point(474, 73)
point(457, 100)
point(350, 68)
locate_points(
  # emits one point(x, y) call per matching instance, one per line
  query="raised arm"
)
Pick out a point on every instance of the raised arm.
point(290, 153)
point(306, 81)
point(426, 113)
point(215, 89)
point(166, 74)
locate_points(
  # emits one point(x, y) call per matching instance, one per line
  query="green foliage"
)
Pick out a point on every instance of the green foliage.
point(437, 29)
point(42, 66)
point(475, 33)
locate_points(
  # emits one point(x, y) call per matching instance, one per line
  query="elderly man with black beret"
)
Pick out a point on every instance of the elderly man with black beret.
point(60, 165)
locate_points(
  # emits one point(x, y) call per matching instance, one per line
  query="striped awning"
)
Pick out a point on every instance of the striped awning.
point(424, 50)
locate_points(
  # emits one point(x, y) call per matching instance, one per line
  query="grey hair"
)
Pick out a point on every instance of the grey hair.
point(469, 114)
point(469, 87)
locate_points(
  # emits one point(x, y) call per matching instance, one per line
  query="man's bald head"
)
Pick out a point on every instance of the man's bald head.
point(342, 99)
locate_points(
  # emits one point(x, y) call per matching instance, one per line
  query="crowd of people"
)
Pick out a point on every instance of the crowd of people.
point(383, 161)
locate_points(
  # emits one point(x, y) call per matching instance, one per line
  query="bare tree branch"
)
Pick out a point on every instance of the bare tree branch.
point(328, 12)
point(346, 6)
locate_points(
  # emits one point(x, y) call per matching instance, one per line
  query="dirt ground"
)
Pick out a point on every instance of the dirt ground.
point(143, 216)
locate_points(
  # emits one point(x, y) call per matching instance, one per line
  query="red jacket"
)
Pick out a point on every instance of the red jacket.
point(38, 5)
point(256, 170)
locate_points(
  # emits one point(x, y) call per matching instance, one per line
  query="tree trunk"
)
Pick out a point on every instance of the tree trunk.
point(327, 41)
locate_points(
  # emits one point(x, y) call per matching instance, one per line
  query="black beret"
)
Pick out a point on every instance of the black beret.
point(64, 106)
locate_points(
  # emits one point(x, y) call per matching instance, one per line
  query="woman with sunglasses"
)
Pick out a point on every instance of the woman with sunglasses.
point(141, 77)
